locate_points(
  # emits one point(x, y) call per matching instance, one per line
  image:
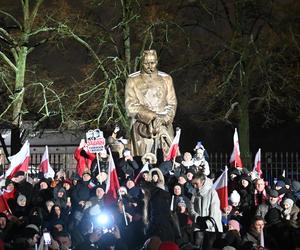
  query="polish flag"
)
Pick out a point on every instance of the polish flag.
point(257, 163)
point(112, 183)
point(235, 158)
point(221, 186)
point(144, 169)
point(174, 146)
point(19, 161)
point(45, 165)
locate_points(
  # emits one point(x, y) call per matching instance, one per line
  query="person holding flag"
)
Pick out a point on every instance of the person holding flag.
point(205, 203)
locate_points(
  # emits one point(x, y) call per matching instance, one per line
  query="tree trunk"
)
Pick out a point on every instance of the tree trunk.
point(17, 106)
point(244, 138)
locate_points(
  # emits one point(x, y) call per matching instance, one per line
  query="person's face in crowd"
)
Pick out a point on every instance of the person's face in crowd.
point(181, 180)
point(86, 177)
point(259, 225)
point(75, 182)
point(260, 185)
point(18, 179)
point(197, 183)
point(21, 203)
point(49, 205)
point(200, 153)
point(155, 178)
point(245, 183)
point(177, 190)
point(187, 156)
point(43, 185)
point(2, 222)
point(273, 200)
point(60, 194)
point(149, 63)
point(10, 187)
point(57, 210)
point(99, 193)
point(145, 176)
point(66, 186)
point(58, 227)
point(232, 176)
point(34, 240)
point(181, 208)
point(189, 176)
point(130, 184)
point(64, 242)
point(286, 206)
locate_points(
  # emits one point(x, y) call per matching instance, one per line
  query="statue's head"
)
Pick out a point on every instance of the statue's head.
point(149, 61)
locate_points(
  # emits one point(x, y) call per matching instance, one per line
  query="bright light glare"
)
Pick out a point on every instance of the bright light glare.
point(103, 219)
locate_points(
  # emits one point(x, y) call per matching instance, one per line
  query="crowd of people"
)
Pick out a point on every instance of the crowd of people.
point(160, 205)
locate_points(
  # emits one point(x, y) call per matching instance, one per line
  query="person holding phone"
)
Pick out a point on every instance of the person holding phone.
point(127, 165)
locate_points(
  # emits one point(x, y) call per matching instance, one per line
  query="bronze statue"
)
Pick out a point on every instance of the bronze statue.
point(151, 103)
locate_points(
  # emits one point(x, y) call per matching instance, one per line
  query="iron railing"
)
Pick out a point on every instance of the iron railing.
point(273, 163)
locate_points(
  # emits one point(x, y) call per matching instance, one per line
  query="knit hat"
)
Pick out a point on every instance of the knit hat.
point(181, 202)
point(34, 227)
point(273, 193)
point(19, 173)
point(234, 224)
point(168, 245)
point(288, 202)
point(280, 184)
point(235, 197)
point(21, 198)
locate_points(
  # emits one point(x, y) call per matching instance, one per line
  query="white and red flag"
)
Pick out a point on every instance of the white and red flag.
point(112, 183)
point(174, 146)
point(145, 168)
point(235, 158)
point(257, 163)
point(19, 161)
point(45, 166)
point(221, 186)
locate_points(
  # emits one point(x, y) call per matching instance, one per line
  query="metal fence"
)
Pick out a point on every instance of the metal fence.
point(273, 163)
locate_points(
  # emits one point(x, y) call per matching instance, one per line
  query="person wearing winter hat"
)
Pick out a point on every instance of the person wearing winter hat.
point(31, 234)
point(232, 236)
point(235, 198)
point(272, 202)
point(290, 211)
point(168, 245)
point(234, 225)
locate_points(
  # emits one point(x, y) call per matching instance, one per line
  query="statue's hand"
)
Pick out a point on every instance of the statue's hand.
point(157, 123)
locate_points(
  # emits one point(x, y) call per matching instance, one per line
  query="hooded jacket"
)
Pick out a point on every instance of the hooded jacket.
point(205, 202)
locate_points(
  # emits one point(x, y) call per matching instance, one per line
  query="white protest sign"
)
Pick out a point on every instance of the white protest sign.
point(95, 140)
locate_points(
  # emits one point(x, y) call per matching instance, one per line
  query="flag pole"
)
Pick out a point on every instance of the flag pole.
point(98, 165)
point(123, 208)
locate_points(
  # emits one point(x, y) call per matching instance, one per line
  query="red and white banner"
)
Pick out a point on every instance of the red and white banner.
point(45, 165)
point(235, 158)
point(112, 183)
point(257, 163)
point(145, 168)
point(221, 186)
point(174, 146)
point(19, 161)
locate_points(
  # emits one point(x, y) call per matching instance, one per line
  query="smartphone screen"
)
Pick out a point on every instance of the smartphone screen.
point(47, 238)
